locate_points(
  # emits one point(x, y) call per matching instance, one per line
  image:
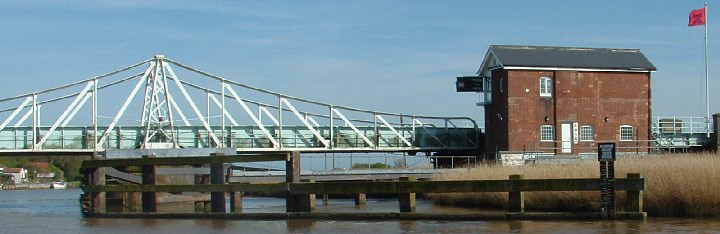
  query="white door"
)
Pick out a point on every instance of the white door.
point(566, 137)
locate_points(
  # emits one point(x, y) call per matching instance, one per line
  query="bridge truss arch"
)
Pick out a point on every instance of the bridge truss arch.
point(209, 112)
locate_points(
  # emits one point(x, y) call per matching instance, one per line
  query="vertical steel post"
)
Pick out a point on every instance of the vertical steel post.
point(94, 115)
point(332, 129)
point(377, 133)
point(35, 120)
point(207, 113)
point(280, 122)
point(413, 130)
point(166, 89)
point(222, 113)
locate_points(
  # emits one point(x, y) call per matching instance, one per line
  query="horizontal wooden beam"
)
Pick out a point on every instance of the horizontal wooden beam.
point(387, 187)
point(265, 157)
point(188, 188)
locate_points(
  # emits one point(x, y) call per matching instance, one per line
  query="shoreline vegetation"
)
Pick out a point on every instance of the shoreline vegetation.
point(679, 185)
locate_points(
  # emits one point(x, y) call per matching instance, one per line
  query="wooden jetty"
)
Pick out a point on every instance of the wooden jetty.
point(140, 200)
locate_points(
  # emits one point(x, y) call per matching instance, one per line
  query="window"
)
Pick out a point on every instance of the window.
point(547, 133)
point(626, 133)
point(501, 84)
point(587, 133)
point(545, 87)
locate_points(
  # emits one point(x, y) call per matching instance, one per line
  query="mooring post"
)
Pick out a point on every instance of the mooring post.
point(292, 175)
point(236, 201)
point(149, 199)
point(97, 200)
point(217, 176)
point(306, 202)
point(516, 196)
point(133, 202)
point(634, 201)
point(407, 200)
point(326, 199)
point(360, 199)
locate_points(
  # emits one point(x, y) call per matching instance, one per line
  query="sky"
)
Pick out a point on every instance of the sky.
point(392, 56)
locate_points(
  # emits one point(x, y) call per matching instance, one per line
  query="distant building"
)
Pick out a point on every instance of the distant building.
point(562, 100)
point(19, 174)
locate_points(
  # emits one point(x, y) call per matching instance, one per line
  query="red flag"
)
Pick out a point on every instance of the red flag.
point(697, 17)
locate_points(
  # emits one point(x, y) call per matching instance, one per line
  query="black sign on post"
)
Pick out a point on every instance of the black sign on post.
point(606, 156)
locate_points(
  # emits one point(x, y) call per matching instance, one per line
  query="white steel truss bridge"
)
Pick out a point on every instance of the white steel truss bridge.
point(149, 106)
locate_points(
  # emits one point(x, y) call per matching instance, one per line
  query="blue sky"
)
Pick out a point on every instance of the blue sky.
point(395, 56)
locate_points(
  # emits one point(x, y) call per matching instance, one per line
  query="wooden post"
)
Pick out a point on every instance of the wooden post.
point(133, 202)
point(97, 200)
point(236, 202)
point(217, 176)
point(306, 202)
point(407, 200)
point(292, 175)
point(326, 199)
point(200, 206)
point(634, 201)
point(360, 199)
point(516, 197)
point(149, 199)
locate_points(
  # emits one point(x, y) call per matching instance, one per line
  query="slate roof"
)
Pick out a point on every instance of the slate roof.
point(571, 57)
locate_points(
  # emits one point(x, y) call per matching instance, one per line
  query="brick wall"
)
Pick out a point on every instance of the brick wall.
point(585, 98)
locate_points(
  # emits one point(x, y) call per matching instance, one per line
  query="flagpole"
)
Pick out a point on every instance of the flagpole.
point(707, 88)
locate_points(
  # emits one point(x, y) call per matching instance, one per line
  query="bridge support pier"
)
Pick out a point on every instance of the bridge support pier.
point(407, 200)
point(360, 199)
point(217, 176)
point(149, 199)
point(516, 197)
point(297, 202)
point(97, 200)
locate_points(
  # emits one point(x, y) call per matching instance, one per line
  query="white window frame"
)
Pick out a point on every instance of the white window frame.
point(546, 86)
point(583, 133)
point(625, 137)
point(547, 131)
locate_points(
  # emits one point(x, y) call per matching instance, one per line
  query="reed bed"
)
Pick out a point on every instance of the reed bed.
point(684, 185)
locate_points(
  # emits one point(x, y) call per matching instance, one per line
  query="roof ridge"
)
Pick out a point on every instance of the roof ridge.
point(562, 47)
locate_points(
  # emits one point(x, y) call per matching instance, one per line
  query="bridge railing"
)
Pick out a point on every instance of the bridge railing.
point(668, 125)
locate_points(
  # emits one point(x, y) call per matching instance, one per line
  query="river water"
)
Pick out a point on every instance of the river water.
point(57, 211)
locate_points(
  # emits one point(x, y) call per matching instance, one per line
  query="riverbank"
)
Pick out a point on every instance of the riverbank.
point(679, 185)
point(34, 186)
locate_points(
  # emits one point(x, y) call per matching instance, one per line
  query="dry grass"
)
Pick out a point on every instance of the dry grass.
point(678, 185)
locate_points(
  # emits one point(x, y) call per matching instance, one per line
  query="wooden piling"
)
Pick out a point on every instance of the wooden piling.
point(149, 199)
point(217, 176)
point(294, 203)
point(132, 202)
point(406, 200)
point(236, 202)
point(360, 199)
point(326, 199)
point(516, 196)
point(97, 199)
point(634, 202)
point(306, 202)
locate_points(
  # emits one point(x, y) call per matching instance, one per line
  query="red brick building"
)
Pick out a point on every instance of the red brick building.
point(563, 100)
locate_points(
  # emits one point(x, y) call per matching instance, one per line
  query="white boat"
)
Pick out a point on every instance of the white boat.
point(58, 185)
